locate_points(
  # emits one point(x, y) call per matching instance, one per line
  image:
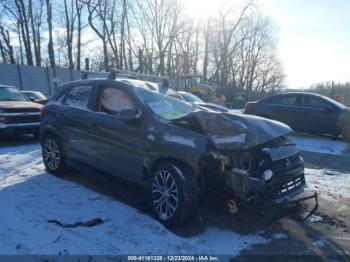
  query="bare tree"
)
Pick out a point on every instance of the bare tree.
point(16, 10)
point(6, 47)
point(157, 24)
point(101, 17)
point(70, 16)
point(206, 35)
point(35, 16)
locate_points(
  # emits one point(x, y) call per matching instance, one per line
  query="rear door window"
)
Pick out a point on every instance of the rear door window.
point(77, 97)
point(289, 101)
point(315, 103)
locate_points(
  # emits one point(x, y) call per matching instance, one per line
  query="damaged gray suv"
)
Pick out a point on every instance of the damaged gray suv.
point(136, 131)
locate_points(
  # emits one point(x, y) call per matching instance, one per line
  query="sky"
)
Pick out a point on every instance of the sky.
point(313, 36)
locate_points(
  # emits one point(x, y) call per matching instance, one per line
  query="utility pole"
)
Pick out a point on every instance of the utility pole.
point(332, 90)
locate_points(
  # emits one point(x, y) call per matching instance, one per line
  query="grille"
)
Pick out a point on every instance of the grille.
point(21, 110)
point(274, 191)
point(21, 119)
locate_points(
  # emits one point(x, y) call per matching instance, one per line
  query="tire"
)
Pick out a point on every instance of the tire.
point(52, 155)
point(175, 188)
point(346, 133)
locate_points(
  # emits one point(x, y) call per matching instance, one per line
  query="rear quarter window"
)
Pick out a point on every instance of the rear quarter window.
point(77, 97)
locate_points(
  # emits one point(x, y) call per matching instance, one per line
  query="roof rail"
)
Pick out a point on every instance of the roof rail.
point(112, 74)
point(127, 74)
point(85, 75)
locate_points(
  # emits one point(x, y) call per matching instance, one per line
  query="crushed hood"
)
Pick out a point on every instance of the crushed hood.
point(228, 131)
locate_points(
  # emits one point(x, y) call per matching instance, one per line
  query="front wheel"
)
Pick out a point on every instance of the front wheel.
point(52, 155)
point(173, 193)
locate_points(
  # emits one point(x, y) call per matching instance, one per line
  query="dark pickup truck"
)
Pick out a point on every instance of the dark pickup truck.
point(18, 115)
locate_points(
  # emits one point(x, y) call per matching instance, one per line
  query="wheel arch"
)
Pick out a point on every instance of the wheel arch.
point(147, 172)
point(52, 132)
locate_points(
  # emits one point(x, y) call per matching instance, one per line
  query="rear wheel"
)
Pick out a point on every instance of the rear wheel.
point(346, 133)
point(173, 193)
point(52, 155)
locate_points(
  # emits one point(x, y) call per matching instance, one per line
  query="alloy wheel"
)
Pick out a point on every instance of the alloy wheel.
point(165, 194)
point(51, 154)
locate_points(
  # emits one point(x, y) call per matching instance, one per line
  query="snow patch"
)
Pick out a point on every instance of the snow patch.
point(30, 197)
point(322, 145)
point(188, 141)
point(328, 183)
point(314, 219)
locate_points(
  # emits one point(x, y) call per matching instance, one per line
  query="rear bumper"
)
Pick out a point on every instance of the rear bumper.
point(16, 128)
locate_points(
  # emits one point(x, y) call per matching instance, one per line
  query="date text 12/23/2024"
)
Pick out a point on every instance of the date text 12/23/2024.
point(173, 258)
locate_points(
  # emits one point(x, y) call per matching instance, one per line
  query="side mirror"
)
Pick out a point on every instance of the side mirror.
point(32, 99)
point(129, 114)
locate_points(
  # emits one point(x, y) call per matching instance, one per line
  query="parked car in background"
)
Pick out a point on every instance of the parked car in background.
point(195, 100)
point(304, 112)
point(36, 97)
point(18, 115)
point(177, 151)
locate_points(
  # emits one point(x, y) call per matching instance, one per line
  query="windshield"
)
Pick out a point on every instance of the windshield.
point(35, 95)
point(11, 94)
point(191, 98)
point(165, 107)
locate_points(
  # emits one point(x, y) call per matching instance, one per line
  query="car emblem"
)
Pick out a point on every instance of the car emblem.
point(288, 163)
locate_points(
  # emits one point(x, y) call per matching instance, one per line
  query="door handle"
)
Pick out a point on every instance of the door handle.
point(94, 126)
point(60, 114)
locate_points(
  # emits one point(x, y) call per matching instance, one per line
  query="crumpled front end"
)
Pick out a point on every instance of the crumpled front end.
point(268, 172)
point(248, 158)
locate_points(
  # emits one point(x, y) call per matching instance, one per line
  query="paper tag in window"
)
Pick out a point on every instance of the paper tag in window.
point(161, 107)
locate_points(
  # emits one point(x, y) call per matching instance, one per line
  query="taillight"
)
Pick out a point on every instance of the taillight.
point(247, 106)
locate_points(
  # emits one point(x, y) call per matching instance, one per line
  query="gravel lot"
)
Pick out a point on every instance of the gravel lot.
point(326, 235)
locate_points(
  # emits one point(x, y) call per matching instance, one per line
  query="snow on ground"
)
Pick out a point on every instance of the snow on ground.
point(30, 197)
point(322, 145)
point(328, 183)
